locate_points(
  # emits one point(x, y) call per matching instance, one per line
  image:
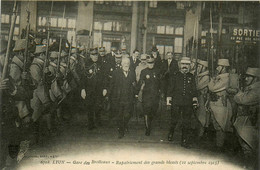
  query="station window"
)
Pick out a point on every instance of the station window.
point(118, 26)
point(204, 33)
point(168, 49)
point(203, 41)
point(169, 30)
point(5, 18)
point(178, 45)
point(97, 25)
point(42, 21)
point(54, 22)
point(16, 31)
point(160, 49)
point(71, 23)
point(153, 4)
point(160, 29)
point(72, 34)
point(97, 39)
point(17, 19)
point(179, 31)
point(108, 26)
point(62, 22)
point(99, 2)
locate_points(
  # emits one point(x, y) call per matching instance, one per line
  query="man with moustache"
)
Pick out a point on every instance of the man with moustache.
point(134, 60)
point(122, 92)
point(93, 89)
point(246, 123)
point(182, 91)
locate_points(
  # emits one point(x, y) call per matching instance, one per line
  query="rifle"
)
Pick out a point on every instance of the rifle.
point(46, 61)
point(68, 58)
point(211, 44)
point(10, 37)
point(58, 63)
point(26, 53)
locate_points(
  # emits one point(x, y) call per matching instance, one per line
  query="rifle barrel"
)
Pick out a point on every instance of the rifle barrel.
point(10, 37)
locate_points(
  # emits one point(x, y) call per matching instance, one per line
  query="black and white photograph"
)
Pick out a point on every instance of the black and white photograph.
point(115, 85)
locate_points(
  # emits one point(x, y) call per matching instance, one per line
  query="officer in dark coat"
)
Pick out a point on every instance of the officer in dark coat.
point(93, 89)
point(150, 85)
point(182, 90)
point(134, 60)
point(169, 67)
point(122, 92)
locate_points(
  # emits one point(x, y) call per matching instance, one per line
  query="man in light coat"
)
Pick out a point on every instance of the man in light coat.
point(219, 103)
point(246, 123)
point(202, 80)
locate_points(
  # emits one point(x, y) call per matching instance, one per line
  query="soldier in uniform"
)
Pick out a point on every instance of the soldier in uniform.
point(150, 85)
point(121, 93)
point(182, 91)
point(93, 89)
point(134, 60)
point(41, 102)
point(219, 104)
point(202, 80)
point(247, 118)
point(10, 141)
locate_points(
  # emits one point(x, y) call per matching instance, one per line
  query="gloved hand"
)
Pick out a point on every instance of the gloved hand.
point(83, 93)
point(4, 84)
point(104, 92)
point(195, 103)
point(169, 100)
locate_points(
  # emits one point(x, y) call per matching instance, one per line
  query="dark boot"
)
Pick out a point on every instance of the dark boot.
point(121, 133)
point(184, 139)
point(147, 127)
point(170, 136)
point(36, 132)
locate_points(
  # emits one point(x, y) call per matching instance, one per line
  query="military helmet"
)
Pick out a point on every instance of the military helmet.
point(185, 60)
point(93, 51)
point(73, 50)
point(54, 55)
point(20, 44)
point(143, 56)
point(202, 62)
point(40, 49)
point(223, 62)
point(125, 55)
point(253, 71)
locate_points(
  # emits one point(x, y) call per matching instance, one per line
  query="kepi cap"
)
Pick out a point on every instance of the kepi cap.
point(253, 71)
point(185, 60)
